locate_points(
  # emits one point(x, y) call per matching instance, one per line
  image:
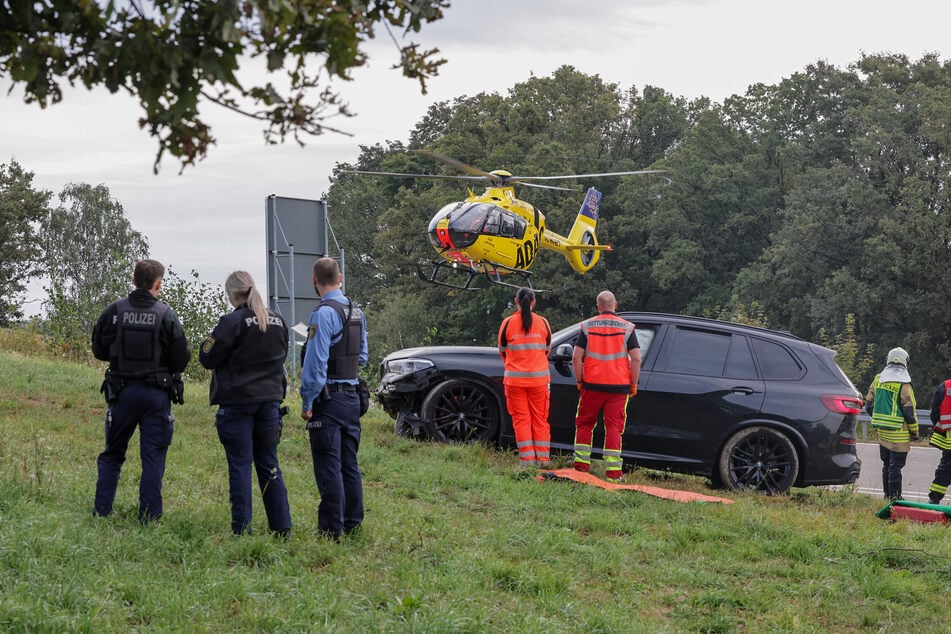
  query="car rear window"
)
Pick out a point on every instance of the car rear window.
point(776, 362)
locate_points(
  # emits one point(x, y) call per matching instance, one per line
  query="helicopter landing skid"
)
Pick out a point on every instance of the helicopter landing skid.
point(490, 270)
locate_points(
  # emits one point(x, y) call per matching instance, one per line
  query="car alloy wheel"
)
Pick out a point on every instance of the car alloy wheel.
point(759, 459)
point(460, 411)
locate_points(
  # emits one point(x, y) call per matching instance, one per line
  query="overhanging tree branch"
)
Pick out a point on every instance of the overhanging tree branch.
point(172, 53)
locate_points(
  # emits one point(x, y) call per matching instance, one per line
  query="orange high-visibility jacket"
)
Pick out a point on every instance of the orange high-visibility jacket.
point(525, 353)
point(606, 360)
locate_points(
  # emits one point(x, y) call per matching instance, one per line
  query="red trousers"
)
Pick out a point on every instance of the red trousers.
point(528, 406)
point(614, 407)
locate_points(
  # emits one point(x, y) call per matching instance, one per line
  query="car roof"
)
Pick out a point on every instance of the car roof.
point(689, 320)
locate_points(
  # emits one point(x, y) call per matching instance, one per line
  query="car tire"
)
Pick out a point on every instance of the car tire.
point(459, 411)
point(759, 459)
point(402, 427)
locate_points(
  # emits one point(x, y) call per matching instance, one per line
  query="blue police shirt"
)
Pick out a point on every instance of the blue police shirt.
point(321, 328)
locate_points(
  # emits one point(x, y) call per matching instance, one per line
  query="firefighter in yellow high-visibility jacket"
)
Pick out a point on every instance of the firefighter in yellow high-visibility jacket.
point(891, 403)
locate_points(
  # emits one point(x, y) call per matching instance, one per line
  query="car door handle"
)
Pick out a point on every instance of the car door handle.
point(742, 389)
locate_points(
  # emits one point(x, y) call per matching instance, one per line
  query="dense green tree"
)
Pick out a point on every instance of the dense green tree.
point(713, 219)
point(564, 124)
point(22, 209)
point(198, 305)
point(176, 55)
point(866, 227)
point(90, 253)
point(353, 207)
point(651, 122)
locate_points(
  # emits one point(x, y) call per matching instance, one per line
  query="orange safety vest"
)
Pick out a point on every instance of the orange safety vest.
point(606, 360)
point(525, 353)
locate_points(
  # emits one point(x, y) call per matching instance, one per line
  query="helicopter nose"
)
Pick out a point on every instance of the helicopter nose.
point(440, 238)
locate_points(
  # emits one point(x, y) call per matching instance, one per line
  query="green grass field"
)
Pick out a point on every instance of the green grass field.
point(456, 539)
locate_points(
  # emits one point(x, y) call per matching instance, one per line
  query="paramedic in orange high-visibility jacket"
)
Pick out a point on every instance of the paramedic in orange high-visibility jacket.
point(524, 343)
point(607, 364)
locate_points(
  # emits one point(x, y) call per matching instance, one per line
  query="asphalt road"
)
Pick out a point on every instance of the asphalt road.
point(916, 476)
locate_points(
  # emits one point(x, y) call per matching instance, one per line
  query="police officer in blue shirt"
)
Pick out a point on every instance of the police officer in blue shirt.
point(144, 343)
point(335, 348)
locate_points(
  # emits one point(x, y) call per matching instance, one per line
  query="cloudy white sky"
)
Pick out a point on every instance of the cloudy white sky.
point(212, 219)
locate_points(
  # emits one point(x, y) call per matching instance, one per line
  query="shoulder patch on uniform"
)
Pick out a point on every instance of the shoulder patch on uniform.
point(311, 331)
point(207, 344)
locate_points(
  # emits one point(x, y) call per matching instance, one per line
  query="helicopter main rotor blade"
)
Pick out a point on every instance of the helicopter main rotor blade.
point(459, 165)
point(536, 185)
point(522, 179)
point(448, 177)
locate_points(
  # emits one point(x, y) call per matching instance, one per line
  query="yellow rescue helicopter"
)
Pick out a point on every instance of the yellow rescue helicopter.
point(495, 235)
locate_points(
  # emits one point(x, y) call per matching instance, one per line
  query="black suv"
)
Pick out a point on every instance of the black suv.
point(748, 407)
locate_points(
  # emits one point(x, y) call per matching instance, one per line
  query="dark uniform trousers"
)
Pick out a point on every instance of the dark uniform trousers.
point(942, 477)
point(250, 435)
point(150, 408)
point(892, 464)
point(334, 446)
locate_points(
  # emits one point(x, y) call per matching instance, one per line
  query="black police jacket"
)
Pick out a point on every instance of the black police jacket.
point(248, 364)
point(171, 348)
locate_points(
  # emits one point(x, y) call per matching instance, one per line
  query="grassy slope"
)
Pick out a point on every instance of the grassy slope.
point(456, 539)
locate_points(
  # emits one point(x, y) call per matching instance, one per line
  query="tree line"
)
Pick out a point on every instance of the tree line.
point(819, 206)
point(84, 250)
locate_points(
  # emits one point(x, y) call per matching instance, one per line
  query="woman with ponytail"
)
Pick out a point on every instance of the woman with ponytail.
point(524, 343)
point(246, 352)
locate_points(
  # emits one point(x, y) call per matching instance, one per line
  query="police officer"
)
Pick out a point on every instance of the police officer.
point(144, 343)
point(941, 439)
point(247, 350)
point(335, 348)
point(607, 365)
point(891, 404)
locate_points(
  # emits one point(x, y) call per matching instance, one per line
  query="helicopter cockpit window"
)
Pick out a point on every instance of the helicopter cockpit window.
point(499, 222)
point(491, 226)
point(465, 224)
point(446, 211)
point(512, 226)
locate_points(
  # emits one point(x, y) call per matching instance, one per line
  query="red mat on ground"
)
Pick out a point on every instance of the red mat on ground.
point(667, 494)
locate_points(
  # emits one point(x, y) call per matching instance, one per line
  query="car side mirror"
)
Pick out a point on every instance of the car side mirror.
point(562, 354)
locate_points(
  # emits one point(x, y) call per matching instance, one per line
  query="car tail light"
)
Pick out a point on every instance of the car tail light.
point(842, 404)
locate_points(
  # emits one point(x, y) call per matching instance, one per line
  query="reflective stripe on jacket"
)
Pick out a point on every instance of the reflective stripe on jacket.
point(606, 360)
point(944, 412)
point(525, 353)
point(941, 438)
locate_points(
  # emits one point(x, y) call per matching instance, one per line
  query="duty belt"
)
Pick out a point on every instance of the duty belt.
point(341, 387)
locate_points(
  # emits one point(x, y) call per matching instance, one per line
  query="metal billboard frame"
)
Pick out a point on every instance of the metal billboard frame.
point(298, 233)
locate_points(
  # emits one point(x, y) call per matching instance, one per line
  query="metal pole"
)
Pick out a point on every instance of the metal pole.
point(293, 344)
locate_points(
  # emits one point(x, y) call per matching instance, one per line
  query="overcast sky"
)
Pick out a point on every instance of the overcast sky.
point(212, 218)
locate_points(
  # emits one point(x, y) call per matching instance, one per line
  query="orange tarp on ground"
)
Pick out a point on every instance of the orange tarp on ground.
point(667, 494)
